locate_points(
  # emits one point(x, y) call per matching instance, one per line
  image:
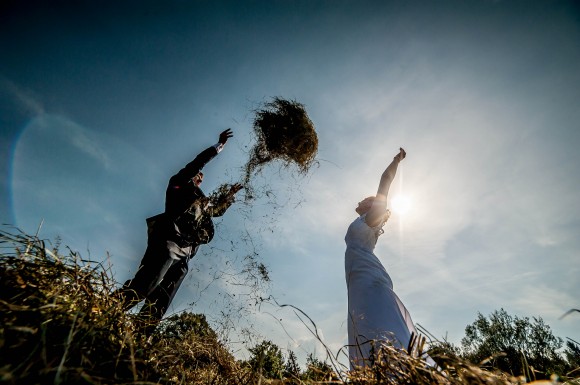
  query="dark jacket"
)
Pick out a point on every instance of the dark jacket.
point(181, 192)
point(186, 204)
point(185, 220)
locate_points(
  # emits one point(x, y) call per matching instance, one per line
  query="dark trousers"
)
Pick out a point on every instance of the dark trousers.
point(157, 280)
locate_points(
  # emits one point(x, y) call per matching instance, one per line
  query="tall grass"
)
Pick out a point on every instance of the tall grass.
point(59, 324)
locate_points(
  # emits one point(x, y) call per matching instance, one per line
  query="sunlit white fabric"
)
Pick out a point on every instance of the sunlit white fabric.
point(374, 310)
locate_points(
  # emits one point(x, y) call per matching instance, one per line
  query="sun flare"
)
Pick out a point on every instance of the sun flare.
point(400, 204)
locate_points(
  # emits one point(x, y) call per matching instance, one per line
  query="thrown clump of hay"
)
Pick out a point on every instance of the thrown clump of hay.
point(284, 132)
point(221, 198)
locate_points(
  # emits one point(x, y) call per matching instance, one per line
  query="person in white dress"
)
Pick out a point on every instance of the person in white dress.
point(375, 313)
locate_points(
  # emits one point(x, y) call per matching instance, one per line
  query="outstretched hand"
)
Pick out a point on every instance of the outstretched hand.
point(235, 188)
point(230, 197)
point(401, 155)
point(225, 135)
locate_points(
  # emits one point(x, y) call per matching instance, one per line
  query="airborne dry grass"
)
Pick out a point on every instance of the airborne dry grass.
point(283, 132)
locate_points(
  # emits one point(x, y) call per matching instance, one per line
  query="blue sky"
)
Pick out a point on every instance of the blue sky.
point(101, 104)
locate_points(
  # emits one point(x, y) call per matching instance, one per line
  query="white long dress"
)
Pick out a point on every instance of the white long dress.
point(374, 310)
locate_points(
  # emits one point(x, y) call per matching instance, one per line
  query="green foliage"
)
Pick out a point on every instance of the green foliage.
point(291, 367)
point(181, 325)
point(440, 351)
point(317, 370)
point(572, 354)
point(514, 345)
point(185, 350)
point(267, 359)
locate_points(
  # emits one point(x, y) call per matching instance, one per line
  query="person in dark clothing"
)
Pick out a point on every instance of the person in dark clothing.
point(174, 238)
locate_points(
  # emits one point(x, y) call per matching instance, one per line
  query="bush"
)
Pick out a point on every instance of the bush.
point(267, 360)
point(521, 346)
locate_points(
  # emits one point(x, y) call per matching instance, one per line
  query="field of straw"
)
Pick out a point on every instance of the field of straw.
point(61, 325)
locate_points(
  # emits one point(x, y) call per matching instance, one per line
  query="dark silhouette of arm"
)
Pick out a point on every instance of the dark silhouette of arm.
point(194, 167)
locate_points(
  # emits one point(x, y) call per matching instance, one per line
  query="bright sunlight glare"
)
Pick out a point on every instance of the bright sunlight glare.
point(400, 204)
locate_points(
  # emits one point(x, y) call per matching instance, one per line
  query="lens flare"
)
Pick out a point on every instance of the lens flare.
point(401, 204)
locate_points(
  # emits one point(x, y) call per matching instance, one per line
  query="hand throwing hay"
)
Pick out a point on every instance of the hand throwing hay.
point(284, 132)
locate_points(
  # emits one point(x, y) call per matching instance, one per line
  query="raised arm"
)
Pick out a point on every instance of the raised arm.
point(195, 166)
point(377, 211)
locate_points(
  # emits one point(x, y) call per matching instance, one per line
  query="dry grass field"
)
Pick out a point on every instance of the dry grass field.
point(60, 325)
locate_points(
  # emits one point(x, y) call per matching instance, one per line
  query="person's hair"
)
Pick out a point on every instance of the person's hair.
point(365, 205)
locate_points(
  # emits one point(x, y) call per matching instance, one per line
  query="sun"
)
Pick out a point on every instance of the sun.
point(400, 204)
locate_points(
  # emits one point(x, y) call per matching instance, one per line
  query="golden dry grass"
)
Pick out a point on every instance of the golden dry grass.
point(283, 132)
point(59, 324)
